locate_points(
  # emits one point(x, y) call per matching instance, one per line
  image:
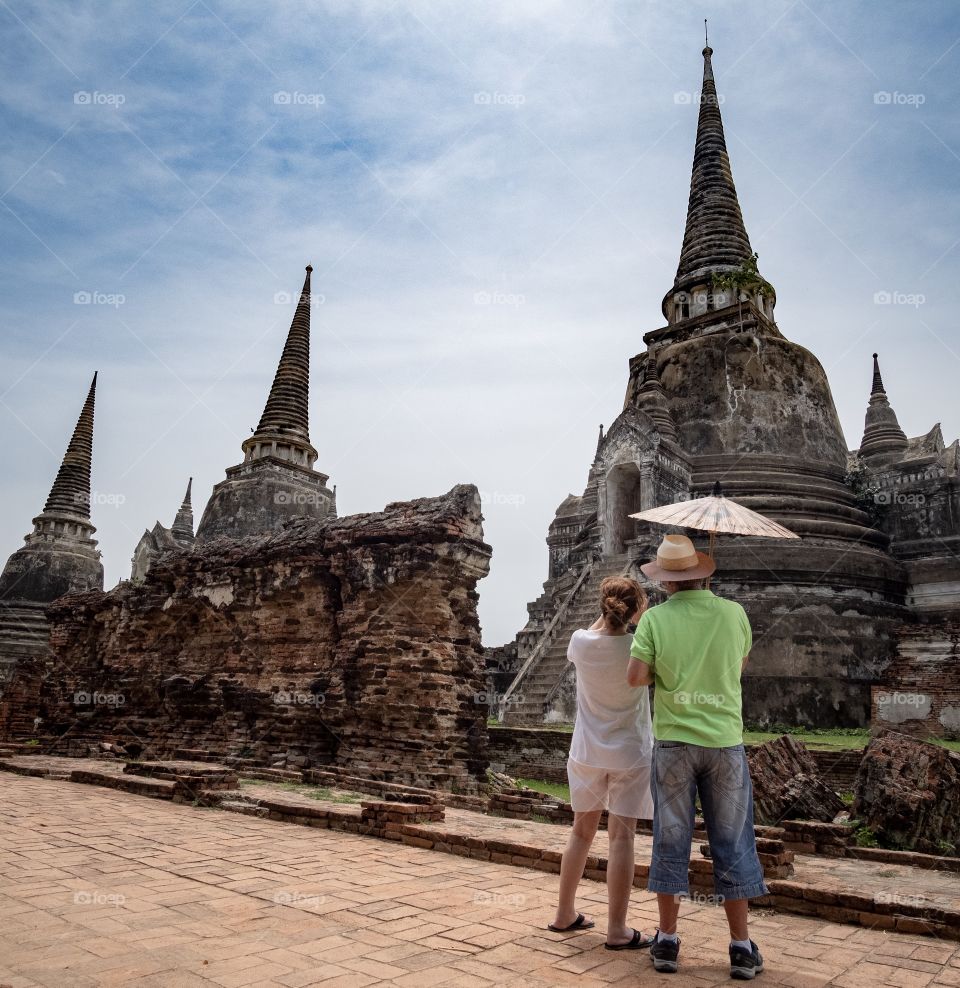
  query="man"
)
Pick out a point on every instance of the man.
point(693, 648)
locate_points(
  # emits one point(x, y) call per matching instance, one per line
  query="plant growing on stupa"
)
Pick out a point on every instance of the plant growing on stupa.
point(746, 279)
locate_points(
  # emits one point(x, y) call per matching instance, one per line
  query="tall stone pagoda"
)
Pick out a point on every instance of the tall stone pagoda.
point(161, 539)
point(276, 480)
point(59, 556)
point(914, 485)
point(720, 394)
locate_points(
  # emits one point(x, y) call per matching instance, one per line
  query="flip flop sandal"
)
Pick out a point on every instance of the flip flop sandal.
point(637, 942)
point(580, 923)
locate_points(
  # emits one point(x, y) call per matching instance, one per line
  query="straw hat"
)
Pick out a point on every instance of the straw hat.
point(677, 560)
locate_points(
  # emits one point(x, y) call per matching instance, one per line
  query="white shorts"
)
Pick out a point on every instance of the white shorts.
point(622, 792)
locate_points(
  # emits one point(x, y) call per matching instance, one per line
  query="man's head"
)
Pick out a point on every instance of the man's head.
point(679, 565)
point(673, 586)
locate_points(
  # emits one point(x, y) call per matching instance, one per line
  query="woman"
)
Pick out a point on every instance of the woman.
point(609, 764)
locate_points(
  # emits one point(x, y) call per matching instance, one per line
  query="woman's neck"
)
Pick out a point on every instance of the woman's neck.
point(602, 626)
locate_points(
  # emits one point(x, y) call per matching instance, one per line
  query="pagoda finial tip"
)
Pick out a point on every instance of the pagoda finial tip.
point(309, 268)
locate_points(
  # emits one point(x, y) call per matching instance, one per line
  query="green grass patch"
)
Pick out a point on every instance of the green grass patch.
point(321, 792)
point(865, 837)
point(829, 740)
point(559, 789)
point(835, 739)
point(304, 789)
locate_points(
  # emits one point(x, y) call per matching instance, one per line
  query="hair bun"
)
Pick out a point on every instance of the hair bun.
point(620, 598)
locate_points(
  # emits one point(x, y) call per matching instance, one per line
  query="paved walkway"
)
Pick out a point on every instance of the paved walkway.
point(103, 888)
point(893, 882)
point(882, 880)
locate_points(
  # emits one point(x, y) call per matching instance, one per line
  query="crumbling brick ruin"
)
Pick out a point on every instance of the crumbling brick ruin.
point(353, 643)
point(908, 794)
point(279, 636)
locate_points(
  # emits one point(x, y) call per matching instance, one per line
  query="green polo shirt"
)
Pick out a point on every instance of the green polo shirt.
point(694, 643)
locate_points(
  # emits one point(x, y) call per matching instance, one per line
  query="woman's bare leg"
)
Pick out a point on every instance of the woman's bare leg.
point(620, 862)
point(572, 864)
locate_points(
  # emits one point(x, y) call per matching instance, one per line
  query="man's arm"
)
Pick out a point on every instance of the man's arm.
point(639, 673)
point(747, 639)
point(642, 655)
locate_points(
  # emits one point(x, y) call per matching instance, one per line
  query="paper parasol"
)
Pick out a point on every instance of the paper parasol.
point(713, 514)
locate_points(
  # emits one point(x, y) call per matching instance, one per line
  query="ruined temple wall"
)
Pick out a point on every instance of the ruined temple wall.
point(922, 516)
point(353, 642)
point(917, 506)
point(920, 691)
point(819, 644)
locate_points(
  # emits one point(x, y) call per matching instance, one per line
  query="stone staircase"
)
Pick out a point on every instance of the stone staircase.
point(525, 701)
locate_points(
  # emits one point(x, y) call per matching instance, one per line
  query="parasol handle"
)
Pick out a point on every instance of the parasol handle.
point(713, 539)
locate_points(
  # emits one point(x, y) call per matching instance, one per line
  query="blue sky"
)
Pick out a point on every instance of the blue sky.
point(492, 196)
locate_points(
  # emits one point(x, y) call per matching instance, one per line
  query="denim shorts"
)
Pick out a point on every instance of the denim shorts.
point(722, 779)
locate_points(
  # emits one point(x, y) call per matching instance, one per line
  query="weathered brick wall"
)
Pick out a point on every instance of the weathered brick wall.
point(527, 753)
point(838, 768)
point(353, 643)
point(920, 691)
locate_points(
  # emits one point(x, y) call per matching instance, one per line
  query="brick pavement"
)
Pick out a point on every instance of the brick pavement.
point(103, 888)
point(892, 882)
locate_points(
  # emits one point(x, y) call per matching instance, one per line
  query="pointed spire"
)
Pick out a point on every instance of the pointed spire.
point(182, 528)
point(70, 494)
point(285, 418)
point(652, 400)
point(596, 453)
point(882, 435)
point(877, 379)
point(715, 239)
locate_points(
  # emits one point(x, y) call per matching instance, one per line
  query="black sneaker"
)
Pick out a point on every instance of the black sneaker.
point(664, 954)
point(744, 964)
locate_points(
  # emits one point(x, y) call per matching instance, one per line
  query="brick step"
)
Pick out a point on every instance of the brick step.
point(243, 807)
point(547, 676)
point(250, 771)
